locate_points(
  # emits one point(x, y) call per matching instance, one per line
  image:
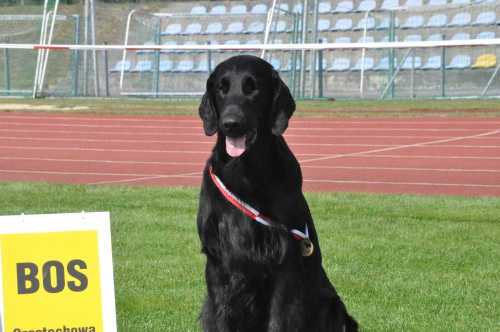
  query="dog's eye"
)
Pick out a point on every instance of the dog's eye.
point(223, 86)
point(250, 85)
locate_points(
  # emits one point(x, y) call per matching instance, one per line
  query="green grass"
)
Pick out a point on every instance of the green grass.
point(325, 108)
point(400, 262)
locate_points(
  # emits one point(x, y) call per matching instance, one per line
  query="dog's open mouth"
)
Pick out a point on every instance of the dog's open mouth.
point(235, 146)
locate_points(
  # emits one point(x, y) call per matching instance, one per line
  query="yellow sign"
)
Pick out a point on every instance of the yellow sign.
point(53, 280)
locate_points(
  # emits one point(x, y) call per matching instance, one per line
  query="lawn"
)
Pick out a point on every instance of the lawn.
point(400, 262)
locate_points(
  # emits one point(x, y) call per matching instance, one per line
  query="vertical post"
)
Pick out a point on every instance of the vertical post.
point(156, 76)
point(443, 62)
point(75, 54)
point(305, 10)
point(320, 71)
point(312, 62)
point(7, 73)
point(209, 60)
point(106, 72)
point(392, 24)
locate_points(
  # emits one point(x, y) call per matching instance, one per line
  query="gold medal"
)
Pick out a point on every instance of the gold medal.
point(306, 248)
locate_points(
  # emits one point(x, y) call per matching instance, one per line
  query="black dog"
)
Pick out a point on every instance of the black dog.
point(263, 267)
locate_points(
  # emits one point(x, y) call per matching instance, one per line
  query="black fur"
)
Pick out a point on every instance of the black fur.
point(257, 280)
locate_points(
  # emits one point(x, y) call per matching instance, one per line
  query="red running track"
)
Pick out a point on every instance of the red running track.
point(448, 156)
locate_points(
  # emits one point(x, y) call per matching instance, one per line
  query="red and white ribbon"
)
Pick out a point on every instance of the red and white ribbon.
point(251, 212)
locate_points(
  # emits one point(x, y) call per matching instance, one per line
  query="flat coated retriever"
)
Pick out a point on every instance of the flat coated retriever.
point(254, 223)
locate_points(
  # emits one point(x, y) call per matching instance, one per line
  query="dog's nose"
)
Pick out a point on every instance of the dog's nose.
point(231, 125)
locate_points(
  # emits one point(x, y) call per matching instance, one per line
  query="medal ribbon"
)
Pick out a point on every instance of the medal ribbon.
point(251, 212)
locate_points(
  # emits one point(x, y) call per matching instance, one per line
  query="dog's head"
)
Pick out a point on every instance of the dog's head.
point(243, 93)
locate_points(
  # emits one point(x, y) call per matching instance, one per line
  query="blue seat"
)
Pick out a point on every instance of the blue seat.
point(389, 4)
point(298, 8)
point(386, 22)
point(219, 9)
point(486, 35)
point(169, 43)
point(459, 62)
point(343, 24)
point(432, 63)
point(485, 18)
point(323, 67)
point(323, 25)
point(288, 66)
point(413, 22)
point(340, 64)
point(461, 36)
point(366, 5)
point(413, 3)
point(369, 22)
point(412, 63)
point(213, 28)
point(203, 67)
point(255, 27)
point(259, 9)
point(165, 66)
point(342, 40)
point(143, 66)
point(460, 2)
point(231, 42)
point(125, 65)
point(199, 10)
point(234, 28)
point(436, 21)
point(367, 39)
point(385, 39)
point(192, 29)
point(460, 20)
point(184, 66)
point(436, 37)
point(172, 29)
point(278, 27)
point(188, 43)
point(384, 64)
point(149, 43)
point(413, 38)
point(368, 64)
point(239, 9)
point(324, 7)
point(437, 2)
point(343, 7)
point(252, 42)
point(276, 64)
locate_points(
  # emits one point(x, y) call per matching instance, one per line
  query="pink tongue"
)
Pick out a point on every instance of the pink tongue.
point(235, 146)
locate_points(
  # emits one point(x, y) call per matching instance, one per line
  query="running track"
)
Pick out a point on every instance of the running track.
point(449, 156)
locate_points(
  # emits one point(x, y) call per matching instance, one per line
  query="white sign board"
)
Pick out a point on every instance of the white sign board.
point(56, 273)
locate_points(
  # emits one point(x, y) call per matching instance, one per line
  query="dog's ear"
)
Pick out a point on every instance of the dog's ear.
point(282, 108)
point(207, 109)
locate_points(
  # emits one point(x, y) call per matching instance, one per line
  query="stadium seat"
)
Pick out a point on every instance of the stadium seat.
point(368, 22)
point(281, 7)
point(437, 2)
point(485, 18)
point(486, 35)
point(368, 64)
point(343, 24)
point(239, 9)
point(323, 67)
point(188, 43)
point(413, 38)
point(231, 42)
point(219, 9)
point(343, 7)
point(126, 65)
point(165, 66)
point(192, 29)
point(384, 64)
point(203, 67)
point(278, 27)
point(252, 42)
point(255, 27)
point(184, 66)
point(288, 66)
point(340, 64)
point(485, 61)
point(436, 37)
point(461, 36)
point(213, 28)
point(149, 43)
point(366, 5)
point(412, 63)
point(323, 25)
point(413, 22)
point(324, 7)
point(413, 3)
point(460, 20)
point(276, 64)
point(234, 28)
point(433, 62)
point(342, 40)
point(385, 24)
point(169, 43)
point(389, 4)
point(459, 62)
point(143, 66)
point(199, 10)
point(385, 39)
point(367, 39)
point(436, 21)
point(460, 2)
point(259, 9)
point(172, 29)
point(298, 8)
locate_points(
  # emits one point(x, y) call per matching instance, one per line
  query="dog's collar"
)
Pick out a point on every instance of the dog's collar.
point(306, 246)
